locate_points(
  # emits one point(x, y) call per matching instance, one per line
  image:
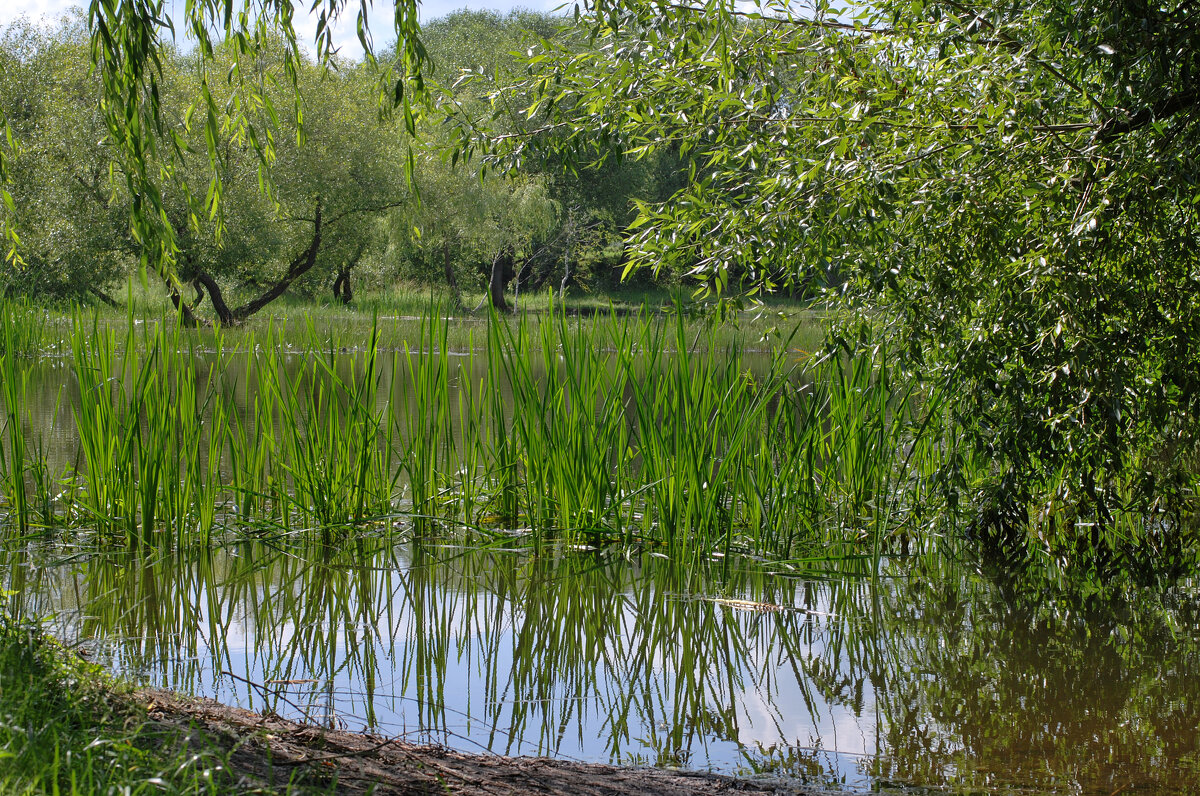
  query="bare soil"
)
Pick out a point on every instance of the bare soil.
point(267, 750)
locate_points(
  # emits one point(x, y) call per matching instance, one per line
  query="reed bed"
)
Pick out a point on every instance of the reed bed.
point(637, 430)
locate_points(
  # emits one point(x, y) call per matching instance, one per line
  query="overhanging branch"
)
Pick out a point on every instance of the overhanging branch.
point(1163, 109)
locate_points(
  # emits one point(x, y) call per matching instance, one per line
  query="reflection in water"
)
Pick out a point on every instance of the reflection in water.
point(938, 680)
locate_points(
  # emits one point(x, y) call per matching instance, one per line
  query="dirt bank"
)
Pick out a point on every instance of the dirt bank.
point(269, 750)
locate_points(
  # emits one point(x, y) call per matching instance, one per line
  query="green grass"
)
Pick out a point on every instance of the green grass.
point(67, 728)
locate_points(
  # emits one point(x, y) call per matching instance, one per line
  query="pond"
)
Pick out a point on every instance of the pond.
point(935, 679)
point(584, 546)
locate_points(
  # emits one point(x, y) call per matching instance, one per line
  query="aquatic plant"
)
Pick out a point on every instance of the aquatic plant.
point(13, 455)
point(641, 430)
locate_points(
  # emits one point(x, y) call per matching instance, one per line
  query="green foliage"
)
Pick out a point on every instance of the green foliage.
point(482, 86)
point(127, 47)
point(461, 221)
point(73, 226)
point(305, 136)
point(74, 204)
point(1006, 193)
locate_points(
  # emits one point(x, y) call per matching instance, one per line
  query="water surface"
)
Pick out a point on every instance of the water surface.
point(939, 679)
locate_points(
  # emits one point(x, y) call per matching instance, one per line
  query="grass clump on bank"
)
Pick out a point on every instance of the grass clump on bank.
point(64, 729)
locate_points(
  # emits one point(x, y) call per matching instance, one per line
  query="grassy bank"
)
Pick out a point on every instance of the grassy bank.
point(397, 315)
point(69, 728)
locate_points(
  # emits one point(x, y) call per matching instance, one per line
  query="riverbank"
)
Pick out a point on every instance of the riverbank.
point(269, 751)
point(70, 727)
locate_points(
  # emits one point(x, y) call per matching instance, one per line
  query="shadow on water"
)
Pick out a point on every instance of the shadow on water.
point(934, 680)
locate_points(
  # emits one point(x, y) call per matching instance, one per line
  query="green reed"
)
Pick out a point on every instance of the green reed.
point(105, 418)
point(425, 419)
point(24, 329)
point(13, 463)
point(251, 439)
point(567, 437)
point(637, 430)
point(336, 445)
point(143, 418)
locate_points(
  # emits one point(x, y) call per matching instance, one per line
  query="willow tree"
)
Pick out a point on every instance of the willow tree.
point(74, 237)
point(1007, 192)
point(128, 43)
point(325, 194)
point(469, 226)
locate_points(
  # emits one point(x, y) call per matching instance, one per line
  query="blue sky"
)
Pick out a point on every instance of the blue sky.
point(344, 32)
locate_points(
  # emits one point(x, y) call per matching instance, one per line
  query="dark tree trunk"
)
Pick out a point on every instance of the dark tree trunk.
point(186, 315)
point(342, 289)
point(299, 266)
point(501, 271)
point(100, 294)
point(337, 285)
point(225, 315)
point(448, 267)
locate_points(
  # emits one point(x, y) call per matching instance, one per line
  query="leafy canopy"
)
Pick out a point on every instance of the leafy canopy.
point(128, 40)
point(1007, 191)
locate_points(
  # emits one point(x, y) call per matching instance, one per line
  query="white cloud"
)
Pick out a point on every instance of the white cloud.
point(35, 10)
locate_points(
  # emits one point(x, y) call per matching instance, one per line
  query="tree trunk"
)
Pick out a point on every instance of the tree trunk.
point(342, 291)
point(299, 266)
point(341, 285)
point(501, 267)
point(337, 284)
point(199, 294)
point(185, 312)
point(562, 286)
point(448, 266)
point(571, 231)
point(517, 284)
point(225, 316)
point(100, 294)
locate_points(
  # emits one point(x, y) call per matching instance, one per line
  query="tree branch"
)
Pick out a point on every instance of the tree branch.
point(299, 266)
point(1017, 46)
point(1163, 109)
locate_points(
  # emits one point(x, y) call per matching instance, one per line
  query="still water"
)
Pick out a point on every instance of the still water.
point(929, 679)
point(934, 679)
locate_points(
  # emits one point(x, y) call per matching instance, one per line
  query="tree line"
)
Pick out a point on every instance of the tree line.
point(340, 197)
